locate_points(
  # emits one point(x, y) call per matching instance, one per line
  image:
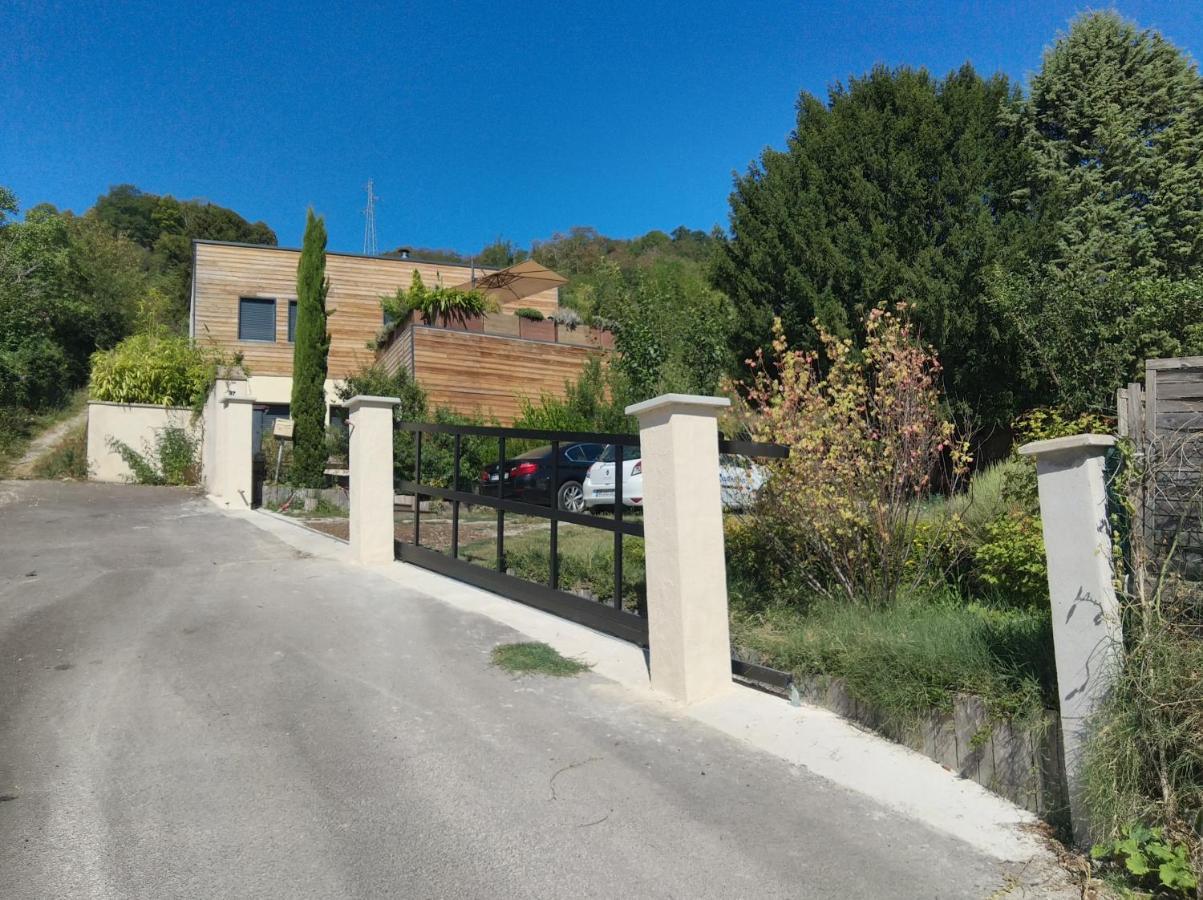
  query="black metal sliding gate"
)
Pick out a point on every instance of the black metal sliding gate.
point(611, 618)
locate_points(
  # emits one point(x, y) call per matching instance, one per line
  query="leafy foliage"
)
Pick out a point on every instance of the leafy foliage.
point(866, 433)
point(1113, 125)
point(901, 187)
point(173, 458)
point(588, 405)
point(1155, 860)
point(165, 227)
point(529, 313)
point(436, 305)
point(1010, 560)
point(1081, 337)
point(161, 369)
point(672, 334)
point(310, 352)
point(68, 286)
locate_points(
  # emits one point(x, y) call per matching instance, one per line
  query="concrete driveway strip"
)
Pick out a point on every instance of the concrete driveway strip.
point(189, 707)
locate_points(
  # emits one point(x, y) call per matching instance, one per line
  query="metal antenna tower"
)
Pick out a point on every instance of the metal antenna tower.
point(369, 223)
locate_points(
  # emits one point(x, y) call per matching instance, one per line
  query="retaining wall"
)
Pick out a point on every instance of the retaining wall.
point(1022, 764)
point(134, 424)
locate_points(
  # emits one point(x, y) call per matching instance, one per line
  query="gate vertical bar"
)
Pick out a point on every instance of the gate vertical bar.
point(501, 512)
point(554, 503)
point(417, 484)
point(455, 503)
point(619, 458)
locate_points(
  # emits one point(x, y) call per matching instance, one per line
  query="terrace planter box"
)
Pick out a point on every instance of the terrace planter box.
point(476, 325)
point(531, 330)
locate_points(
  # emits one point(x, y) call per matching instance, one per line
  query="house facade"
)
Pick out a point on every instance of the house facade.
point(243, 302)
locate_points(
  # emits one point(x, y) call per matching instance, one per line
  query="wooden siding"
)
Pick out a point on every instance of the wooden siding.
point(226, 272)
point(484, 374)
point(399, 353)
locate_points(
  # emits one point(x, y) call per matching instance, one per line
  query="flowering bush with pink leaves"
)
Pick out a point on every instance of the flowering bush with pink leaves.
point(869, 441)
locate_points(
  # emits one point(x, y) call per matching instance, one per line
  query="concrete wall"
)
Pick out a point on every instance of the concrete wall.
point(135, 424)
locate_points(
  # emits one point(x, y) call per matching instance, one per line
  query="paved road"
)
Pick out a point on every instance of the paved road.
point(190, 708)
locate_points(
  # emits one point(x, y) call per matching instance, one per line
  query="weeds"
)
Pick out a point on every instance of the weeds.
point(536, 658)
point(914, 656)
point(68, 458)
point(172, 459)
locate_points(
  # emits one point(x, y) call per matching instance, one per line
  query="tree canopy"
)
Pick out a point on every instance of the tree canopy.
point(900, 187)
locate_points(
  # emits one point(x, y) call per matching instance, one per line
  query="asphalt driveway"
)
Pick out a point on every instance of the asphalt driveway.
point(191, 708)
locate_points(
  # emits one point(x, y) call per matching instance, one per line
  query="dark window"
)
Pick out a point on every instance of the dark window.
point(627, 453)
point(292, 321)
point(256, 319)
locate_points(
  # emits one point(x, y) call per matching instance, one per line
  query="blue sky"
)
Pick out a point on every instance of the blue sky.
point(475, 119)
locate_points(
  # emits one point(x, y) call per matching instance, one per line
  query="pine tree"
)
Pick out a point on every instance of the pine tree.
point(311, 347)
point(1115, 125)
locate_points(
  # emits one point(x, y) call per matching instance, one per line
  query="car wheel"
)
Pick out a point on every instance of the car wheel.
point(571, 497)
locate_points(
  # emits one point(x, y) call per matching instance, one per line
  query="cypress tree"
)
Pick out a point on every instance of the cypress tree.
point(311, 346)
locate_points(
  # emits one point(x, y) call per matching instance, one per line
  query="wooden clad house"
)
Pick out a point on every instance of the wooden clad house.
point(244, 301)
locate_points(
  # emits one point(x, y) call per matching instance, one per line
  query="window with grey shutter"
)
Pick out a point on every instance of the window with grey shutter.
point(292, 321)
point(256, 319)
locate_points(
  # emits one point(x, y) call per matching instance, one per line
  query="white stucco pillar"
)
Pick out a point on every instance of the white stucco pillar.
point(371, 514)
point(234, 464)
point(231, 382)
point(688, 628)
point(1087, 636)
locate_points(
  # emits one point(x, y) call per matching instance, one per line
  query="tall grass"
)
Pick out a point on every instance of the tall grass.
point(914, 656)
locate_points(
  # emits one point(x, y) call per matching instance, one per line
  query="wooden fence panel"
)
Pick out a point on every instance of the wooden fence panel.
point(1164, 421)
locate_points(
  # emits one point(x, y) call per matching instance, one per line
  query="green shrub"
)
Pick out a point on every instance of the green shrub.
point(1045, 423)
point(1154, 860)
point(760, 570)
point(588, 405)
point(1010, 562)
point(164, 370)
point(172, 459)
point(527, 312)
point(36, 375)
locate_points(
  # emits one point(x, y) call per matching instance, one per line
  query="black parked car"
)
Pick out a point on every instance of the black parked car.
point(527, 477)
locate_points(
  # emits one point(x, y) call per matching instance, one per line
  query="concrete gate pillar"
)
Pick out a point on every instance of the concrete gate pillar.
point(688, 628)
point(371, 457)
point(1087, 635)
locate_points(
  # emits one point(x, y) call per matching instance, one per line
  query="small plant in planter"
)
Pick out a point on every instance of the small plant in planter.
point(534, 326)
point(569, 318)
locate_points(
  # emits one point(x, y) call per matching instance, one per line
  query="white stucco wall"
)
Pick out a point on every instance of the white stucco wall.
point(135, 424)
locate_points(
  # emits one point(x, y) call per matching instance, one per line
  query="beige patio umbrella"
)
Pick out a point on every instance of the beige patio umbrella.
point(515, 282)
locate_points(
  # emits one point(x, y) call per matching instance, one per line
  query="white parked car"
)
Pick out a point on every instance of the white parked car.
point(740, 480)
point(599, 480)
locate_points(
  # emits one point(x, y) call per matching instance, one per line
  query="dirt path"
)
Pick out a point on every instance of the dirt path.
point(23, 467)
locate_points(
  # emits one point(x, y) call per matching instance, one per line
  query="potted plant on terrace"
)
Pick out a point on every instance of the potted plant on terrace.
point(533, 326)
point(447, 307)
